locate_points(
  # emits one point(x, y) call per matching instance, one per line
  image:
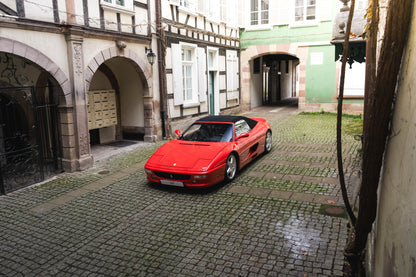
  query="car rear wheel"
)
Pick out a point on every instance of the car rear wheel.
point(231, 167)
point(268, 143)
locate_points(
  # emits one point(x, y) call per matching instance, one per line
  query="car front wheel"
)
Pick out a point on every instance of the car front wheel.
point(231, 167)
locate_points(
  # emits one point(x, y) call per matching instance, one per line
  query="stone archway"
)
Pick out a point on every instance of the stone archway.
point(20, 49)
point(33, 83)
point(142, 71)
point(271, 74)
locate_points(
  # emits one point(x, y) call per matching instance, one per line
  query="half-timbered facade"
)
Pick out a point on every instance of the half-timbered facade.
point(72, 74)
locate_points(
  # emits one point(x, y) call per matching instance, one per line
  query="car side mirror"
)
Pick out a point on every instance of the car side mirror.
point(178, 133)
point(243, 135)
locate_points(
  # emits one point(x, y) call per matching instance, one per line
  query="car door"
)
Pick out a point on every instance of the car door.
point(244, 143)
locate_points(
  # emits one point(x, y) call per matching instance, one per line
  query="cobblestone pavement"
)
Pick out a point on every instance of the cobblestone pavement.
point(110, 221)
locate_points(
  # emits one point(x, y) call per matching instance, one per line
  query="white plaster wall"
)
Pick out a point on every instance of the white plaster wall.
point(10, 3)
point(39, 10)
point(93, 13)
point(286, 80)
point(94, 46)
point(131, 93)
point(100, 81)
point(256, 90)
point(395, 251)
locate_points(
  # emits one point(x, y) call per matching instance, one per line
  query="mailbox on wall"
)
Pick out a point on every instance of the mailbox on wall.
point(102, 109)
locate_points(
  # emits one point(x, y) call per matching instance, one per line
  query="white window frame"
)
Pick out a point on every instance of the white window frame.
point(193, 100)
point(120, 6)
point(304, 21)
point(259, 14)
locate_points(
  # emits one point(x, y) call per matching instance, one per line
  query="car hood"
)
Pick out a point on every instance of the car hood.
point(186, 155)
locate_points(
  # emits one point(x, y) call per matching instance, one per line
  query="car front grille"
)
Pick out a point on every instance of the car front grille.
point(172, 176)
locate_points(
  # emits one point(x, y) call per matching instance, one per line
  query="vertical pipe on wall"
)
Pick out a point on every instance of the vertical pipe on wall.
point(161, 53)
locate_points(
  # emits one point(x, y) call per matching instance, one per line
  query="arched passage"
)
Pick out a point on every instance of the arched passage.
point(274, 78)
point(31, 88)
point(127, 112)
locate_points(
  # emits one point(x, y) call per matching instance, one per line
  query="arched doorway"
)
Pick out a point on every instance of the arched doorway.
point(274, 78)
point(30, 147)
point(117, 111)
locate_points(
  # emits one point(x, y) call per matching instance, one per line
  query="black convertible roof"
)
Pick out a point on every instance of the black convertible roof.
point(228, 118)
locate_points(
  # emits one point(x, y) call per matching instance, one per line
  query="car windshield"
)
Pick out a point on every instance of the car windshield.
point(209, 132)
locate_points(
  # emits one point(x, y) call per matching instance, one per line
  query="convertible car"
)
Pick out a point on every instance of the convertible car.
point(212, 149)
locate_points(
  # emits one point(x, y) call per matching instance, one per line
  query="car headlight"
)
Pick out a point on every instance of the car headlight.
point(148, 171)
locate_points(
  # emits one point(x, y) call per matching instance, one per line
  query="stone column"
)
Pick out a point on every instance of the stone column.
point(83, 158)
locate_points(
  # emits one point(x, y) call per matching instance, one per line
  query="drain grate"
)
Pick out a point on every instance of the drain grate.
point(336, 211)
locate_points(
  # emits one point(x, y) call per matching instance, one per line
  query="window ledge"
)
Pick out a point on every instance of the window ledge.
point(190, 104)
point(353, 97)
point(258, 27)
point(300, 24)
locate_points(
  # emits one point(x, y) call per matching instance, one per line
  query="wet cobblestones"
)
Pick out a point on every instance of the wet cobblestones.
point(267, 222)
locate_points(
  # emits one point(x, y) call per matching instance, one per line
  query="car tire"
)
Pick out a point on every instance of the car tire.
point(231, 167)
point(268, 142)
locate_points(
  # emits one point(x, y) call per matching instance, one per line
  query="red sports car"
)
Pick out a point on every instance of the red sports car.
point(212, 149)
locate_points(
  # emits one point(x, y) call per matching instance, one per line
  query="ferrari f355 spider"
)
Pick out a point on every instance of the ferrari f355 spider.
point(212, 149)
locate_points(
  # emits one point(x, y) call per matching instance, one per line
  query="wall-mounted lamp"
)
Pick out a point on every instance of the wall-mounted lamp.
point(150, 56)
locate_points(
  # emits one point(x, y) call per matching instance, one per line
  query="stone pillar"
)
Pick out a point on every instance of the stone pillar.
point(83, 158)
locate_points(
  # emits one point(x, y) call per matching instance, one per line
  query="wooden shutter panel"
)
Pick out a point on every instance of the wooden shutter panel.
point(283, 11)
point(202, 75)
point(324, 10)
point(177, 74)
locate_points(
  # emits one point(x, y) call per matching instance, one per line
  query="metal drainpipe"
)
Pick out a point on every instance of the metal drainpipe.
point(162, 72)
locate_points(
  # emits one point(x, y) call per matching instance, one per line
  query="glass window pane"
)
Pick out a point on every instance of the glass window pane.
point(254, 5)
point(310, 13)
point(187, 82)
point(265, 17)
point(264, 5)
point(254, 18)
point(299, 14)
point(211, 59)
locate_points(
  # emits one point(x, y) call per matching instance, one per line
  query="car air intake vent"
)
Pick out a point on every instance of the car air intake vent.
point(172, 176)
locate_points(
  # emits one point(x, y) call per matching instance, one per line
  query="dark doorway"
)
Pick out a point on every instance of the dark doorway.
point(30, 148)
point(278, 77)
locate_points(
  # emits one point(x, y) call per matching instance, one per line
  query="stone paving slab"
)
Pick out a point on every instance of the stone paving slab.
point(119, 224)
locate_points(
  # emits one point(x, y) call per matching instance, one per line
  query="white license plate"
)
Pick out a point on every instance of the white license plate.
point(172, 183)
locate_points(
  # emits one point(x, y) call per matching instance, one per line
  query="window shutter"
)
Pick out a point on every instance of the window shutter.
point(284, 12)
point(177, 74)
point(229, 75)
point(202, 75)
point(232, 70)
point(236, 83)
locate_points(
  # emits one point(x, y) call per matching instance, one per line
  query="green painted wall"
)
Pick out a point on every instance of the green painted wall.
point(282, 34)
point(321, 76)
